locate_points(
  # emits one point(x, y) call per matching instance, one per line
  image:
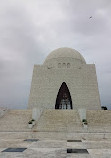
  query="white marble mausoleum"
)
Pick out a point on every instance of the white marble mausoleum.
point(64, 81)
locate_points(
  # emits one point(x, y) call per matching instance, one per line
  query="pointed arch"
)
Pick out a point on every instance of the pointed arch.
point(63, 100)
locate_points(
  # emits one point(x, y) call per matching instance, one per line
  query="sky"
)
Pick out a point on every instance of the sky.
point(31, 29)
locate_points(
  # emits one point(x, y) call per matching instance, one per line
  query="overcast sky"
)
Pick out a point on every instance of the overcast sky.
point(31, 29)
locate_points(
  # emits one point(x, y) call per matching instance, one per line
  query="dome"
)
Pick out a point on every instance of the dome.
point(64, 53)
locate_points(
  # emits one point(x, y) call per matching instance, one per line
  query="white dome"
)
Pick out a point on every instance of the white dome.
point(64, 53)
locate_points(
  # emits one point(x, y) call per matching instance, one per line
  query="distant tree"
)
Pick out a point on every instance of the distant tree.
point(104, 108)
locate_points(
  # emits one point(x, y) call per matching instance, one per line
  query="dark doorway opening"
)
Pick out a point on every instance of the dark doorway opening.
point(63, 100)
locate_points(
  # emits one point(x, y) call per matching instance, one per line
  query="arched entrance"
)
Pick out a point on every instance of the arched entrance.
point(63, 100)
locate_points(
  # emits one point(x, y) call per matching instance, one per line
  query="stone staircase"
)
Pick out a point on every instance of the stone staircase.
point(99, 121)
point(58, 121)
point(15, 121)
point(99, 117)
point(65, 121)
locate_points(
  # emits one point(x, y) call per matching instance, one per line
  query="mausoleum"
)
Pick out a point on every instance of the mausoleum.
point(64, 81)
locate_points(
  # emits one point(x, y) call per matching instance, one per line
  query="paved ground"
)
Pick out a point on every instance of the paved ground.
point(49, 148)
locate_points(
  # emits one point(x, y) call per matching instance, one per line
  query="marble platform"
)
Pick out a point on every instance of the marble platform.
point(49, 147)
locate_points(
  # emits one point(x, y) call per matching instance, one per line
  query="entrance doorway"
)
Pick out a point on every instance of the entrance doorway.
point(63, 100)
